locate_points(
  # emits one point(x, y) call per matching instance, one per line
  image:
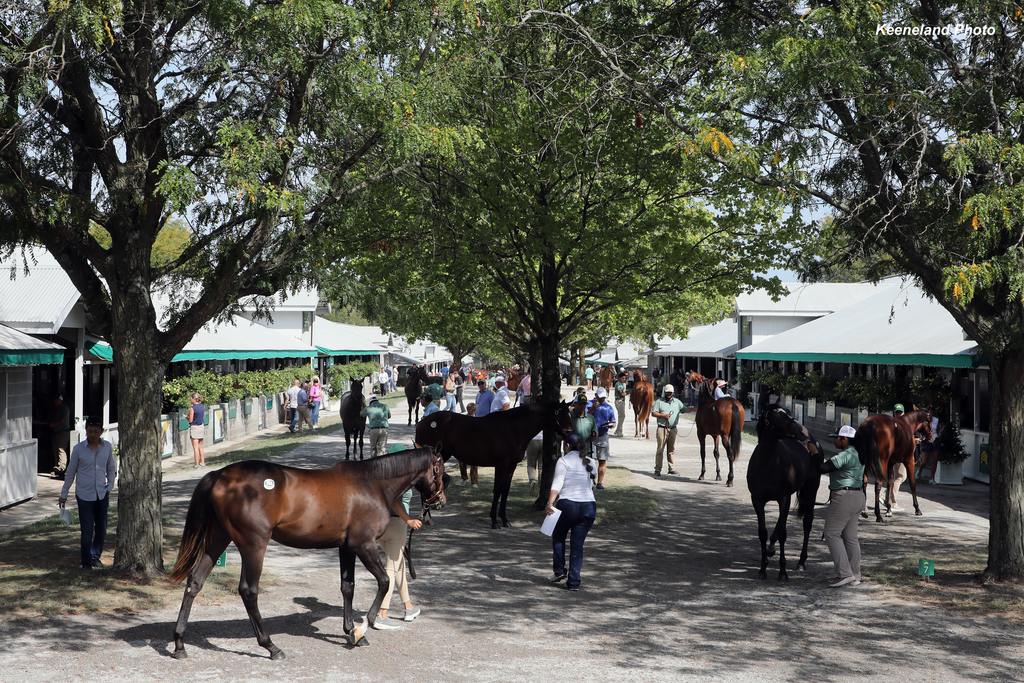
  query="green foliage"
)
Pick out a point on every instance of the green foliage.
point(340, 375)
point(951, 444)
point(932, 392)
point(214, 388)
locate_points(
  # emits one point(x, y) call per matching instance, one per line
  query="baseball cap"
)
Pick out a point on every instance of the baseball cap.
point(499, 378)
point(601, 392)
point(847, 431)
point(373, 397)
point(898, 408)
point(669, 389)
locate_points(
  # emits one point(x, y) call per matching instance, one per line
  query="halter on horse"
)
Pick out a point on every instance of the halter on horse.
point(722, 419)
point(786, 460)
point(347, 506)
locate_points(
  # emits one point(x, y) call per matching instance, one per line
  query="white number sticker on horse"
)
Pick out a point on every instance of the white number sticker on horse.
point(269, 484)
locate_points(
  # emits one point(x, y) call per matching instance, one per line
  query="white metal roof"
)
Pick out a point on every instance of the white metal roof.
point(715, 341)
point(895, 326)
point(811, 299)
point(341, 336)
point(299, 300)
point(14, 340)
point(242, 334)
point(37, 302)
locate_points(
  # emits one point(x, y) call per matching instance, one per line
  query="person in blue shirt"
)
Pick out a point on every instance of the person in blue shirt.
point(604, 420)
point(429, 407)
point(483, 399)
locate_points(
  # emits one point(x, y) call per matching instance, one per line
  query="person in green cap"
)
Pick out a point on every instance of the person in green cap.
point(898, 410)
point(584, 424)
point(377, 415)
point(846, 500)
point(666, 410)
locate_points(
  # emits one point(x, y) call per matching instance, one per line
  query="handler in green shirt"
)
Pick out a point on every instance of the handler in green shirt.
point(666, 410)
point(846, 500)
point(584, 424)
point(377, 415)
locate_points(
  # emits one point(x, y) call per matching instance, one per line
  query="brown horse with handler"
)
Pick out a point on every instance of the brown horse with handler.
point(722, 419)
point(889, 440)
point(346, 506)
point(642, 400)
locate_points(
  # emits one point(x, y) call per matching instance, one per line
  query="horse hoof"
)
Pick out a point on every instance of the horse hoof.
point(506, 523)
point(277, 654)
point(783, 576)
point(763, 574)
point(718, 477)
point(359, 635)
point(362, 642)
point(729, 483)
point(701, 477)
point(180, 654)
point(918, 513)
point(494, 525)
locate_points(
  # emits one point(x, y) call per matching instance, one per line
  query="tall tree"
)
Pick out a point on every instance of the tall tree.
point(572, 209)
point(252, 121)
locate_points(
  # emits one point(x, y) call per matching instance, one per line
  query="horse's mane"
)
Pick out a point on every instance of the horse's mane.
point(394, 465)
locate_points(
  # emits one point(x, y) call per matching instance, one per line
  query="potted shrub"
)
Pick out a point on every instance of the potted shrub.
point(950, 468)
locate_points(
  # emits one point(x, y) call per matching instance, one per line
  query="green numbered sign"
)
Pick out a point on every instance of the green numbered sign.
point(222, 561)
point(926, 568)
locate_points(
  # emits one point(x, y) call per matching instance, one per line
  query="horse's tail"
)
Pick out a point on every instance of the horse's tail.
point(198, 524)
point(867, 449)
point(736, 433)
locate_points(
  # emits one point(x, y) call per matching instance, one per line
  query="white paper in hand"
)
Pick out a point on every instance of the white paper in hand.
point(547, 527)
point(65, 516)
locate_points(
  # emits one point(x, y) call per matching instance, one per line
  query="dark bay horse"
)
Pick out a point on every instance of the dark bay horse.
point(347, 506)
point(354, 424)
point(786, 460)
point(884, 441)
point(415, 378)
point(642, 399)
point(723, 419)
point(496, 440)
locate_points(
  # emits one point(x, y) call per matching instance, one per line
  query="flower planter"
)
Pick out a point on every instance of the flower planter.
point(951, 474)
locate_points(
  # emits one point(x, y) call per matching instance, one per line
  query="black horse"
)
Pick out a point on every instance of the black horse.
point(496, 440)
point(787, 460)
point(352, 419)
point(415, 378)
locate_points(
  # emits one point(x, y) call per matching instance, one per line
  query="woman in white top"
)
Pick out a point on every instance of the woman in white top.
point(573, 488)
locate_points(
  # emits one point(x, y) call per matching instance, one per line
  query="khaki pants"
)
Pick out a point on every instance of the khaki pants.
point(534, 458)
point(667, 446)
point(900, 476)
point(620, 409)
point(378, 442)
point(841, 530)
point(393, 542)
point(305, 417)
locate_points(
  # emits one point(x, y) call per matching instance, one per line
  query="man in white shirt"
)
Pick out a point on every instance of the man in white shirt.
point(383, 379)
point(293, 405)
point(501, 400)
point(93, 468)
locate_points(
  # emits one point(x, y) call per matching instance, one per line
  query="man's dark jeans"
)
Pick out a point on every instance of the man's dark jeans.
point(576, 520)
point(92, 515)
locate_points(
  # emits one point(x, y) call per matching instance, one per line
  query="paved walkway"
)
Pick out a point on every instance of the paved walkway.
point(673, 597)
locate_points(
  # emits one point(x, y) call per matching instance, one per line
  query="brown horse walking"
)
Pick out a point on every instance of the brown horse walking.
point(723, 419)
point(346, 507)
point(496, 440)
point(883, 440)
point(642, 399)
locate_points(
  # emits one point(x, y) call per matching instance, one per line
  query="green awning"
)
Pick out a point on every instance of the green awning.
point(349, 352)
point(925, 359)
point(31, 357)
point(100, 350)
point(242, 355)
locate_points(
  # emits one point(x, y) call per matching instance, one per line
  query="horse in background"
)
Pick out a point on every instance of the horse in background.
point(606, 378)
point(347, 507)
point(884, 440)
point(786, 460)
point(496, 440)
point(722, 419)
point(415, 378)
point(642, 400)
point(352, 419)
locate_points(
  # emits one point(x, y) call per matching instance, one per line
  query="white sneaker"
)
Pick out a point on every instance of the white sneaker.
point(845, 582)
point(411, 614)
point(385, 625)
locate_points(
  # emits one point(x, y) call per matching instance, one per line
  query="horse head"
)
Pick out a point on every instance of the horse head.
point(920, 421)
point(431, 485)
point(433, 429)
point(356, 387)
point(775, 421)
point(563, 419)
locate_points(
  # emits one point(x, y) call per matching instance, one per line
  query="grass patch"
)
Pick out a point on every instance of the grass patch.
point(956, 585)
point(40, 577)
point(620, 503)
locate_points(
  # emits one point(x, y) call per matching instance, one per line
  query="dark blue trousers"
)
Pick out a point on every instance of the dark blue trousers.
point(92, 515)
point(575, 522)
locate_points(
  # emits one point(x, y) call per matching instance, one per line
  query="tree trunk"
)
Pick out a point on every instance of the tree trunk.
point(550, 394)
point(1006, 519)
point(140, 375)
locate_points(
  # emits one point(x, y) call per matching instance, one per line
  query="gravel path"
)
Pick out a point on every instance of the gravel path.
point(674, 597)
